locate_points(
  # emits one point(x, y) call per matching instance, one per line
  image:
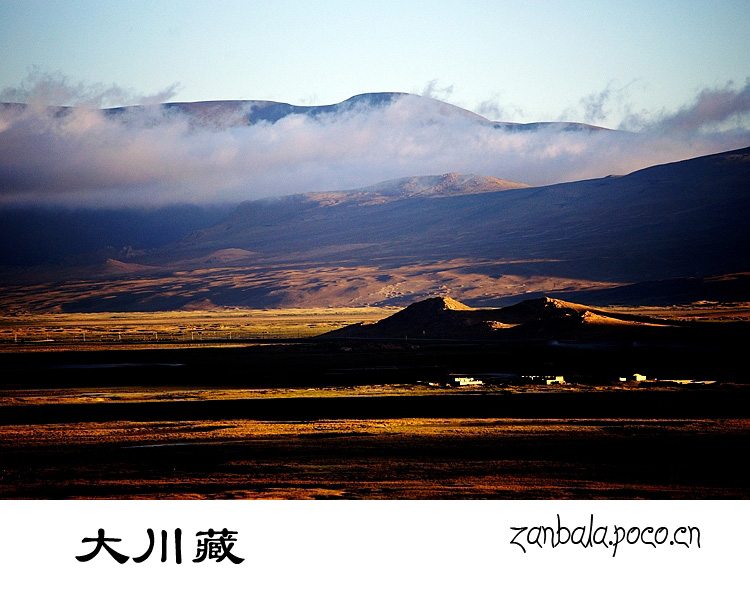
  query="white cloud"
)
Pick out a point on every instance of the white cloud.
point(43, 88)
point(85, 157)
point(712, 109)
point(433, 89)
point(495, 110)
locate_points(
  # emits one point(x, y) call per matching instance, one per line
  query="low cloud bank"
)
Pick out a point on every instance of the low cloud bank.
point(84, 157)
point(40, 88)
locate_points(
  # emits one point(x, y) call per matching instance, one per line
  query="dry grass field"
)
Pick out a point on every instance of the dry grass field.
point(42, 397)
point(698, 311)
point(85, 330)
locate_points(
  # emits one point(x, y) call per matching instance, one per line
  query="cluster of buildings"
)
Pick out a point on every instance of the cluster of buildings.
point(467, 381)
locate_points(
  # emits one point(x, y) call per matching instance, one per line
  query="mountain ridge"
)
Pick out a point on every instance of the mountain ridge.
point(233, 113)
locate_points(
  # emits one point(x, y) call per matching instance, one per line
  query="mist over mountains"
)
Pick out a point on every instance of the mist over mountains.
point(232, 151)
point(228, 113)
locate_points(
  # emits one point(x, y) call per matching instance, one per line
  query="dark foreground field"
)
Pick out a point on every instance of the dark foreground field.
point(378, 448)
point(195, 423)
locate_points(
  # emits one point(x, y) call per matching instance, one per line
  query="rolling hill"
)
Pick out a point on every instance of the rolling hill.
point(539, 319)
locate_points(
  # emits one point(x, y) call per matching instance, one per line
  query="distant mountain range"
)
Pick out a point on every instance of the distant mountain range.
point(224, 113)
point(674, 232)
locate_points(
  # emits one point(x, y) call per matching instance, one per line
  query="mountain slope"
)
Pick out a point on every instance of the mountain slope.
point(652, 232)
point(684, 219)
point(60, 235)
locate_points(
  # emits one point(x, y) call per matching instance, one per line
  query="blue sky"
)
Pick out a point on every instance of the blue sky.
point(528, 60)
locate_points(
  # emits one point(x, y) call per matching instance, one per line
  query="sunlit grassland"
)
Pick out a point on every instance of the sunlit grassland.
point(85, 329)
point(170, 394)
